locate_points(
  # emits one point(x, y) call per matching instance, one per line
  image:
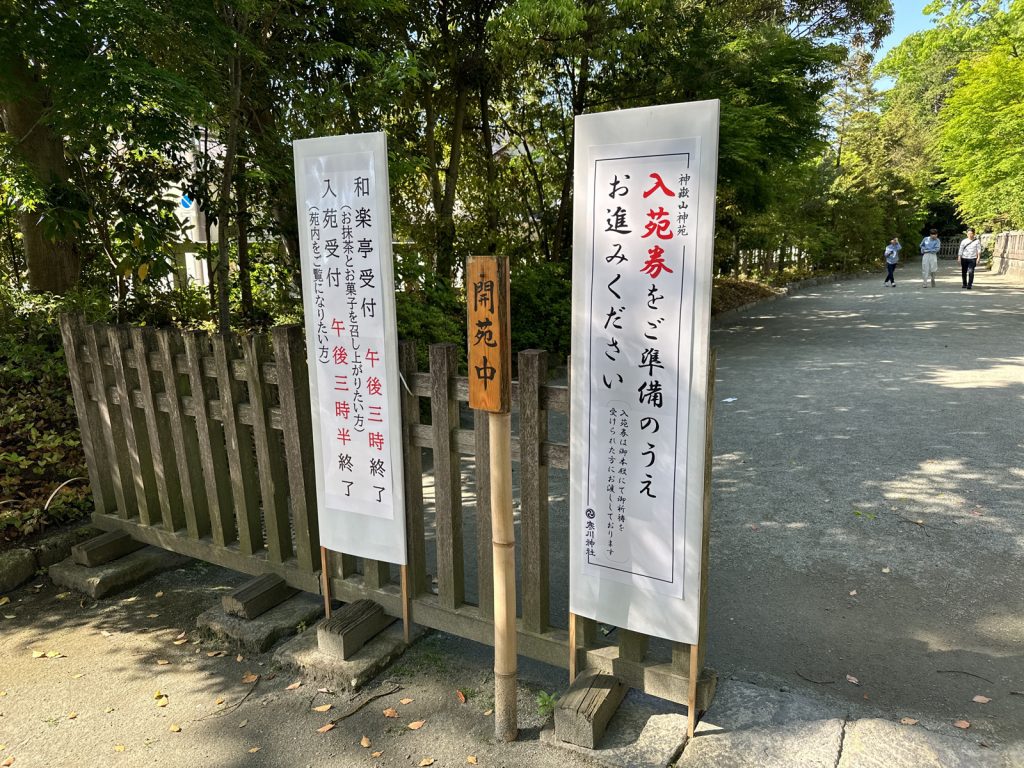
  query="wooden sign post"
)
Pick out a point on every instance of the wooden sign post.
point(490, 390)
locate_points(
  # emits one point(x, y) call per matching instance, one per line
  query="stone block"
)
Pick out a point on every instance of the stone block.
point(259, 634)
point(257, 596)
point(16, 567)
point(116, 575)
point(351, 627)
point(105, 548)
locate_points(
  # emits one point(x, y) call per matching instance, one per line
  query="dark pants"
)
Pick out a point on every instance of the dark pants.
point(889, 278)
point(967, 271)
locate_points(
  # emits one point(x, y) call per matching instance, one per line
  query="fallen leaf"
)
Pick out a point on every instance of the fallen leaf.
point(294, 686)
point(239, 658)
point(887, 569)
point(175, 728)
point(162, 662)
point(471, 759)
point(37, 654)
point(4, 600)
point(416, 725)
point(962, 724)
point(218, 702)
point(216, 654)
point(119, 747)
point(162, 702)
point(72, 715)
point(159, 594)
point(63, 595)
point(390, 712)
point(54, 655)
point(979, 699)
point(324, 690)
point(243, 724)
point(426, 761)
point(852, 679)
point(461, 696)
point(325, 728)
point(250, 677)
point(108, 710)
point(152, 615)
point(8, 762)
point(908, 721)
point(3, 693)
point(10, 616)
point(181, 641)
point(405, 701)
point(377, 754)
point(853, 593)
point(323, 708)
point(254, 750)
point(365, 742)
point(488, 712)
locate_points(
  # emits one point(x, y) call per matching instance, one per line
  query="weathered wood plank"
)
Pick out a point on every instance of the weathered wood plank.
point(257, 596)
point(583, 712)
point(104, 548)
point(533, 474)
point(351, 627)
point(210, 436)
point(633, 645)
point(88, 416)
point(140, 458)
point(484, 546)
point(269, 453)
point(183, 438)
point(239, 442)
point(111, 427)
point(165, 468)
point(297, 429)
point(489, 357)
point(413, 470)
point(444, 414)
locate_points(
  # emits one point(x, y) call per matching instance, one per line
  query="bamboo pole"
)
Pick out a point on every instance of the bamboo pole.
point(503, 540)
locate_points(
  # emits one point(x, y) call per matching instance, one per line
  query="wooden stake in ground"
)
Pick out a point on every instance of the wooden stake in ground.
point(490, 387)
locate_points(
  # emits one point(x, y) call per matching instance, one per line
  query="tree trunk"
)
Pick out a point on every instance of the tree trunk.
point(54, 264)
point(244, 272)
point(224, 203)
point(490, 207)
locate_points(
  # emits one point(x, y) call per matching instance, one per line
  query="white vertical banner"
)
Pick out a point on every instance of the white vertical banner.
point(348, 294)
point(643, 241)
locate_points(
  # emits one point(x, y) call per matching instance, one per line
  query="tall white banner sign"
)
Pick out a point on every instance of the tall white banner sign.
point(642, 265)
point(348, 292)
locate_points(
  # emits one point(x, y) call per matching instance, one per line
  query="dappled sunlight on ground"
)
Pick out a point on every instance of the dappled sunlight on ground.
point(1004, 373)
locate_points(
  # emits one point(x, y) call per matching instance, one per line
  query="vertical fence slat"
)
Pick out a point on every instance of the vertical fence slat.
point(88, 416)
point(112, 428)
point(210, 437)
point(186, 446)
point(238, 440)
point(413, 468)
point(147, 498)
point(444, 415)
point(165, 468)
point(533, 431)
point(269, 453)
point(293, 394)
point(484, 547)
point(376, 573)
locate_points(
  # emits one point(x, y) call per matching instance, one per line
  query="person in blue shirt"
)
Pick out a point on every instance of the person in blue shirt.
point(892, 257)
point(930, 257)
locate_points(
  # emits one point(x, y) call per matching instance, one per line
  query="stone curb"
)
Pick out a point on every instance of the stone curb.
point(20, 564)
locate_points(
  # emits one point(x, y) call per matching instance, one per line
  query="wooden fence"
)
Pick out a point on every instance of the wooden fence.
point(202, 444)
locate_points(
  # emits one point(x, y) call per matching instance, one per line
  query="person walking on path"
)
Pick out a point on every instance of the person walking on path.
point(930, 257)
point(968, 255)
point(892, 257)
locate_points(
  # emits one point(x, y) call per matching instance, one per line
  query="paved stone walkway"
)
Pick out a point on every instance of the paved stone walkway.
point(868, 513)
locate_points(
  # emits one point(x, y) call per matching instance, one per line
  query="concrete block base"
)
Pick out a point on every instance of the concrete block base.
point(259, 634)
point(116, 575)
point(303, 655)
